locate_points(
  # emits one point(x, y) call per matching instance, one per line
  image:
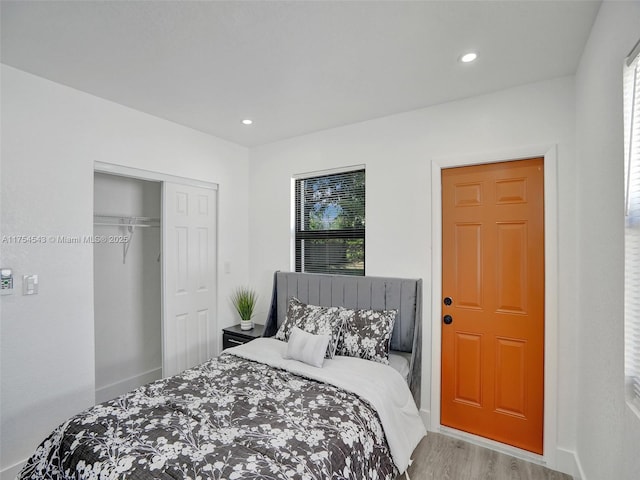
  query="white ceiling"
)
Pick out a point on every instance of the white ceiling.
point(292, 67)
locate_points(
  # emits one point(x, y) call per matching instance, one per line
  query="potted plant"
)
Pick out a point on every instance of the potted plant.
point(244, 300)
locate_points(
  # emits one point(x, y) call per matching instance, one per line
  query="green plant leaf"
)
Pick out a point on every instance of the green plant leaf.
point(244, 300)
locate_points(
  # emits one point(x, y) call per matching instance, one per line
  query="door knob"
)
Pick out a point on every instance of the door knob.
point(448, 301)
point(447, 319)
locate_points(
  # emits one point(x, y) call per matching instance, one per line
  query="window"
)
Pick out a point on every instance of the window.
point(329, 228)
point(632, 228)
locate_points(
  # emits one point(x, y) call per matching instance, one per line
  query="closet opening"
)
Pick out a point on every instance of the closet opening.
point(127, 283)
point(155, 313)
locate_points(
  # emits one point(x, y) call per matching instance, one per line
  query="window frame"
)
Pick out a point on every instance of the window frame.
point(631, 194)
point(299, 234)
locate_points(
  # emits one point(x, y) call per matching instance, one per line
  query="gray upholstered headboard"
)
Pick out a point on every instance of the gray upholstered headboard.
point(378, 293)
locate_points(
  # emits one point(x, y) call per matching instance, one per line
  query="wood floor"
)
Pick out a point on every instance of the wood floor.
point(440, 457)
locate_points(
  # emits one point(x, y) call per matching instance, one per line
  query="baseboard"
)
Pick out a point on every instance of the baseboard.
point(10, 473)
point(495, 446)
point(569, 462)
point(426, 418)
point(579, 472)
point(113, 390)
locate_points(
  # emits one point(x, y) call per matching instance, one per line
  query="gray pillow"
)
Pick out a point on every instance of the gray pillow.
point(313, 319)
point(307, 347)
point(366, 334)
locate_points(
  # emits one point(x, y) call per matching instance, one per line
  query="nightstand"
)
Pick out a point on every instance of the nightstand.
point(233, 336)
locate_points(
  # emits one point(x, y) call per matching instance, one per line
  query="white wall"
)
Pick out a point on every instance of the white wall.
point(397, 151)
point(127, 291)
point(51, 136)
point(608, 432)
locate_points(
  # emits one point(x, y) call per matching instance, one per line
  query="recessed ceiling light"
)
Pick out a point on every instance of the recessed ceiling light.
point(468, 57)
point(246, 121)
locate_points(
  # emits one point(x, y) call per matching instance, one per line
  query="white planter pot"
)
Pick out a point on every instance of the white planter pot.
point(246, 324)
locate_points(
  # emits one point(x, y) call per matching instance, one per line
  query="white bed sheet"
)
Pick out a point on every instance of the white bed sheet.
point(399, 361)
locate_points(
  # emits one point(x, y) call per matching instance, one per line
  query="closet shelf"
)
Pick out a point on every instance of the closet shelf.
point(125, 221)
point(128, 221)
point(108, 224)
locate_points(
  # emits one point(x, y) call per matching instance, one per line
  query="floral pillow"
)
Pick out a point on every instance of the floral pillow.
point(367, 334)
point(313, 319)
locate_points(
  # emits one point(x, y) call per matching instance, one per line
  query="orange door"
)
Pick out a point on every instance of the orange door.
point(493, 301)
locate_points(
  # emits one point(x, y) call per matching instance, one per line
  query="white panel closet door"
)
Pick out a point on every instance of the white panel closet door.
point(189, 280)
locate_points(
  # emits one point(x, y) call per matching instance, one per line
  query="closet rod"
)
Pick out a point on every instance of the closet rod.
point(125, 221)
point(125, 225)
point(129, 217)
point(128, 221)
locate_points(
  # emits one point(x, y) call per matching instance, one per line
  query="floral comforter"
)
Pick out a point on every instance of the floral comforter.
point(229, 418)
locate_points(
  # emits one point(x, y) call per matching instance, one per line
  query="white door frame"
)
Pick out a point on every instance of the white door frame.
point(551, 295)
point(124, 171)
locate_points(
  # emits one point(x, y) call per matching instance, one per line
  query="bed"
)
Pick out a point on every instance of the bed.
point(259, 411)
point(377, 293)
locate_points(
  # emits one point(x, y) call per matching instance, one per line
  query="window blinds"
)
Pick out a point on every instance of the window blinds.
point(330, 223)
point(632, 229)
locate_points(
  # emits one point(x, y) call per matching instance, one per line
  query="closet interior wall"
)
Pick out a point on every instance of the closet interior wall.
point(127, 290)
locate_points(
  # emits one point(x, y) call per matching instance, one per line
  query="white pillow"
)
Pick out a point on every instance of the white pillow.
point(307, 347)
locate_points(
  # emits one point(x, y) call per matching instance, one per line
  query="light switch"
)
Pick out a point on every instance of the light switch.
point(227, 267)
point(29, 284)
